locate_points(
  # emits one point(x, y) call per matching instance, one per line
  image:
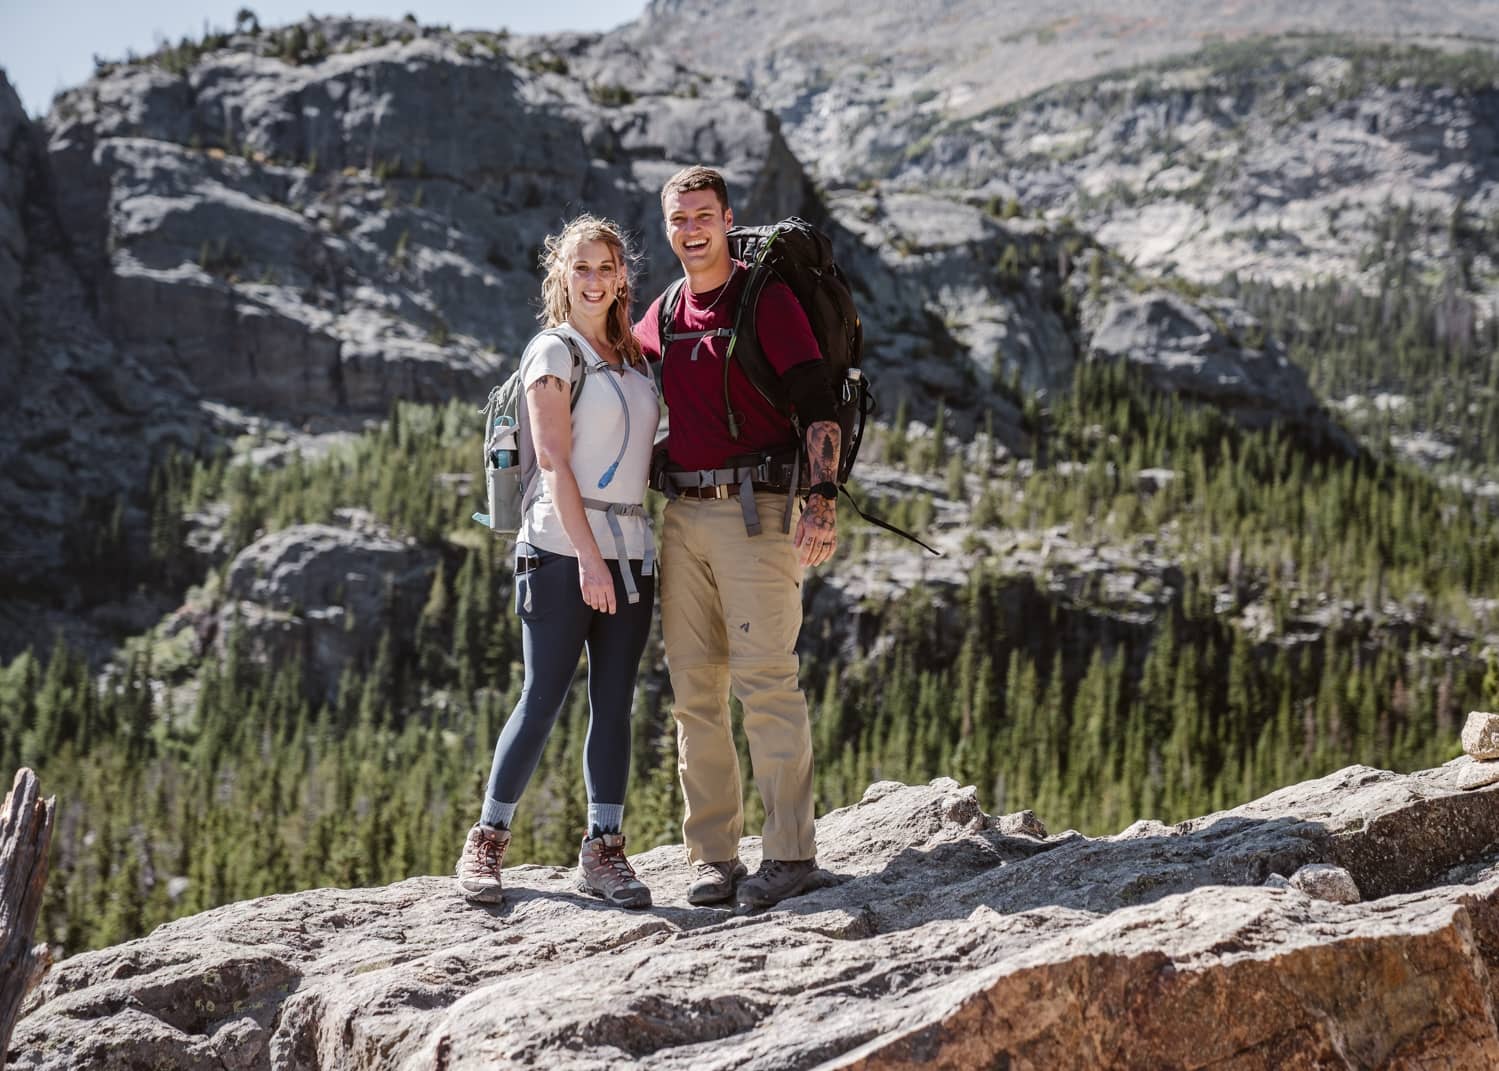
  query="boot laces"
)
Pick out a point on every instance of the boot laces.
point(613, 856)
point(487, 852)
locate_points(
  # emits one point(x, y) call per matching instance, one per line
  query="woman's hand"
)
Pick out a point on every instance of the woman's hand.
point(596, 582)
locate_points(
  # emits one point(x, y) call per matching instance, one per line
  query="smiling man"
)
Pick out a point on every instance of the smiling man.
point(731, 566)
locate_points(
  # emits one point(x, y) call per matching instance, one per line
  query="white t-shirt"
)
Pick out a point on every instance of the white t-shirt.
point(598, 426)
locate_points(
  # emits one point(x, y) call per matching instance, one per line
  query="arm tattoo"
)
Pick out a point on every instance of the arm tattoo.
point(547, 381)
point(822, 451)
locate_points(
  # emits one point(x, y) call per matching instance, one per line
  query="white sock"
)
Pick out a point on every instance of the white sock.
point(496, 813)
point(605, 818)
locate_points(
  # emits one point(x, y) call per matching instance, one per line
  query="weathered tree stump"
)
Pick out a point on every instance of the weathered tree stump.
point(25, 835)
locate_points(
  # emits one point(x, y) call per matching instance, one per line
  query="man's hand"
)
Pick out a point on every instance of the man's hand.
point(817, 531)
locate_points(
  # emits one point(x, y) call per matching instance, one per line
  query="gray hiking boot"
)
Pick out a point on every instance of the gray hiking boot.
point(479, 865)
point(773, 882)
point(604, 871)
point(714, 883)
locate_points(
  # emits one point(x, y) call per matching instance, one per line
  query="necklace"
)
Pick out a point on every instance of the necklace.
point(724, 289)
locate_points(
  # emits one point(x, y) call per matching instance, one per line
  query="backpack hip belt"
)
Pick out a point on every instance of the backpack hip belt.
point(612, 512)
point(774, 476)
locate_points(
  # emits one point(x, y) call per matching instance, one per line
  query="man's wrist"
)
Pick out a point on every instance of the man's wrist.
point(827, 489)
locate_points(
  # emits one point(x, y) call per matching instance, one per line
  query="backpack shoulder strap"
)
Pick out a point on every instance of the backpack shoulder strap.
point(746, 348)
point(670, 297)
point(581, 366)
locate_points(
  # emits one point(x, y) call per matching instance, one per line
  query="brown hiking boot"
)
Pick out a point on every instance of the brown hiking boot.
point(479, 865)
point(714, 882)
point(604, 871)
point(776, 880)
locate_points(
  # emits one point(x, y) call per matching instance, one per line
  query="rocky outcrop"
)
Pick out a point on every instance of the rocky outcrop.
point(324, 595)
point(1192, 351)
point(938, 937)
point(958, 301)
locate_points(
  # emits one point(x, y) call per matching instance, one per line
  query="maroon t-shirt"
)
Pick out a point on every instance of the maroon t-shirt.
point(694, 387)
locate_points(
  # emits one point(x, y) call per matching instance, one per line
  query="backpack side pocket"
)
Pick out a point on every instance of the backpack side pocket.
point(505, 495)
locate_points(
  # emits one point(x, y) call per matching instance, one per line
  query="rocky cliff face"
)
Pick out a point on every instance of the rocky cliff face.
point(326, 236)
point(260, 230)
point(17, 153)
point(1285, 160)
point(939, 937)
point(191, 249)
point(82, 417)
point(857, 87)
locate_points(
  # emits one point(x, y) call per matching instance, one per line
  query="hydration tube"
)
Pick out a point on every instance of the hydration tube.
point(603, 366)
point(608, 475)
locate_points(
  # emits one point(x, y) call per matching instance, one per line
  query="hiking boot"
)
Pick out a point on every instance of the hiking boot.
point(479, 865)
point(604, 871)
point(714, 882)
point(774, 881)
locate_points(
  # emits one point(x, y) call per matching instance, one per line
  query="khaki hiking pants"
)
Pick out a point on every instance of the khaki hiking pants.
point(731, 608)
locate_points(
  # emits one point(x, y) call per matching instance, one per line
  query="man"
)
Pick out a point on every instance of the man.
point(732, 567)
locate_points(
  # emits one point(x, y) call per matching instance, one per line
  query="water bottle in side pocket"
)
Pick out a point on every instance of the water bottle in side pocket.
point(503, 476)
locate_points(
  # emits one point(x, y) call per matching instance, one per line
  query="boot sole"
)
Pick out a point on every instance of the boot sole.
point(761, 905)
point(634, 905)
point(483, 896)
point(712, 896)
point(709, 899)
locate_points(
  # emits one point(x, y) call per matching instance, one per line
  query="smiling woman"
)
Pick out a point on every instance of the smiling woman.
point(46, 48)
point(585, 555)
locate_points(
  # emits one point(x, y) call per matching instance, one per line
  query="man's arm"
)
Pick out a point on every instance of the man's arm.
point(787, 339)
point(817, 531)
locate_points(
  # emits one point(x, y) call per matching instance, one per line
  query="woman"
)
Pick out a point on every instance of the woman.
point(584, 555)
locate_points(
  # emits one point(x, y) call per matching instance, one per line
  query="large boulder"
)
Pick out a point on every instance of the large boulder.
point(938, 936)
point(325, 595)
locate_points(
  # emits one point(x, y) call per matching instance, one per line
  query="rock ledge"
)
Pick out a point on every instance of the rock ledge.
point(941, 937)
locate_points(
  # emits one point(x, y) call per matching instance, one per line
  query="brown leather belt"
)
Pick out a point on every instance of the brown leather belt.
point(725, 490)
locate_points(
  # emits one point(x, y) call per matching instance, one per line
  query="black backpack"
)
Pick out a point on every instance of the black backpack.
point(801, 257)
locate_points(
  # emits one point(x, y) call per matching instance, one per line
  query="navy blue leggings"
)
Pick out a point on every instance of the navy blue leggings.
point(557, 628)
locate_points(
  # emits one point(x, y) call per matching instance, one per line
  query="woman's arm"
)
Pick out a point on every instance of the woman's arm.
point(549, 406)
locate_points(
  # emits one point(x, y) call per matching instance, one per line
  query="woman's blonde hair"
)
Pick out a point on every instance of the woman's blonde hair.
point(556, 261)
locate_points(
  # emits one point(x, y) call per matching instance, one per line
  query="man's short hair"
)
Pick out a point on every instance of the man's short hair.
point(697, 177)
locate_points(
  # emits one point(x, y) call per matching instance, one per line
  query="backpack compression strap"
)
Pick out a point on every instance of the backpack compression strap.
point(612, 512)
point(670, 301)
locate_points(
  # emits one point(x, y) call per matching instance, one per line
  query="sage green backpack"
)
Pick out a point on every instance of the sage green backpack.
point(511, 474)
